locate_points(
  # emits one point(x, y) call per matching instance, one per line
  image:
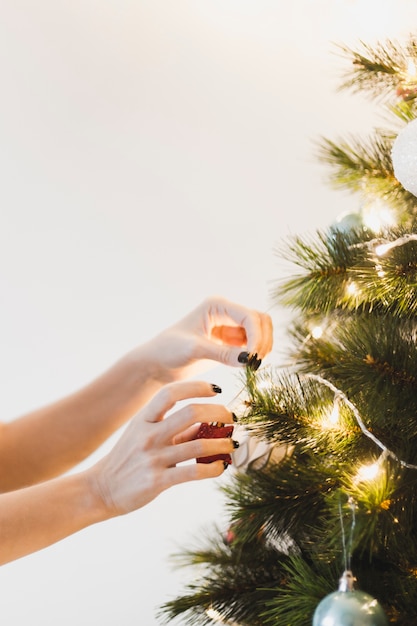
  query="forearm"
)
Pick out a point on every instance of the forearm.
point(51, 440)
point(36, 517)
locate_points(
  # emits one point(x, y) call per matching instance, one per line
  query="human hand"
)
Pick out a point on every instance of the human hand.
point(149, 455)
point(218, 330)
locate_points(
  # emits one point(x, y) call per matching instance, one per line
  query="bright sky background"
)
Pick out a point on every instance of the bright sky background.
point(153, 153)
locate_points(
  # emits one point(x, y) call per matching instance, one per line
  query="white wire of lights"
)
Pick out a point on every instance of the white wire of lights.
point(340, 395)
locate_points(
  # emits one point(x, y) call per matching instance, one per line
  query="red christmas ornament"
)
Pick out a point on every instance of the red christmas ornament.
point(215, 430)
point(407, 91)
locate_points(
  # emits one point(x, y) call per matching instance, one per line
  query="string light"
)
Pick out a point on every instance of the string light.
point(317, 332)
point(383, 248)
point(331, 418)
point(218, 617)
point(377, 215)
point(368, 472)
point(352, 289)
point(214, 615)
point(359, 420)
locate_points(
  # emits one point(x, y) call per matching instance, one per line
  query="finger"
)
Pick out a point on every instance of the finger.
point(248, 319)
point(183, 419)
point(193, 471)
point(232, 335)
point(188, 435)
point(266, 335)
point(198, 448)
point(168, 396)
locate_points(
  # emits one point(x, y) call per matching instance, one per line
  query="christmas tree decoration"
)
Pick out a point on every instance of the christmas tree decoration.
point(347, 221)
point(404, 157)
point(327, 468)
point(214, 430)
point(347, 607)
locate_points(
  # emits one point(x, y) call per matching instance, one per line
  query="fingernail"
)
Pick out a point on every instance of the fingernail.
point(251, 360)
point(234, 417)
point(254, 365)
point(225, 465)
point(216, 388)
point(243, 357)
point(236, 444)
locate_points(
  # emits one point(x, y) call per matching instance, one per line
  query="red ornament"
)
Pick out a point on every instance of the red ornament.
point(407, 91)
point(215, 430)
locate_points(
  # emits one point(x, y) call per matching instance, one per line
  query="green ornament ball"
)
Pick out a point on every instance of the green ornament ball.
point(349, 608)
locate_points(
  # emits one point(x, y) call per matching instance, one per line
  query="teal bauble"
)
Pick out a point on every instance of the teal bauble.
point(348, 221)
point(348, 607)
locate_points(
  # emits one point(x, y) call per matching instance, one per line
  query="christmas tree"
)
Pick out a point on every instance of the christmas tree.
point(337, 490)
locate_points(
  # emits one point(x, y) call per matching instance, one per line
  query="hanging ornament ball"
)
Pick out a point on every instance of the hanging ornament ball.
point(348, 607)
point(404, 157)
point(348, 221)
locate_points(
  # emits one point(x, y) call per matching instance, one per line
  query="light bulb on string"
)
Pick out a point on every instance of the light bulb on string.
point(331, 418)
point(378, 215)
point(352, 289)
point(368, 472)
point(317, 332)
point(214, 614)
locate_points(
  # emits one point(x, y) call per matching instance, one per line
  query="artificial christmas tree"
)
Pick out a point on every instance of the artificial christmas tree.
point(341, 495)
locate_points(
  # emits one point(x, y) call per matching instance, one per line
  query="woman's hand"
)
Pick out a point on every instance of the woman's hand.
point(150, 455)
point(218, 330)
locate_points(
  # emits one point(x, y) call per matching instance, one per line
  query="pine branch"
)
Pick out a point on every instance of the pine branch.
point(378, 69)
point(363, 166)
point(321, 287)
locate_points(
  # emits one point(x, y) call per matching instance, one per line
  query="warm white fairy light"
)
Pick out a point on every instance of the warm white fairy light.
point(317, 332)
point(218, 617)
point(214, 615)
point(377, 215)
point(331, 418)
point(352, 288)
point(359, 420)
point(368, 472)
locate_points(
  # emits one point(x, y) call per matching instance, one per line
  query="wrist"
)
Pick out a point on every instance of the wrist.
point(100, 503)
point(152, 357)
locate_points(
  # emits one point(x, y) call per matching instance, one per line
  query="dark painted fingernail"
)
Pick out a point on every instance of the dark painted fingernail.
point(243, 357)
point(225, 465)
point(254, 365)
point(251, 360)
point(234, 417)
point(236, 444)
point(216, 388)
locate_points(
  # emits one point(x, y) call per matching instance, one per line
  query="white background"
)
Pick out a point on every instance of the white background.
point(153, 153)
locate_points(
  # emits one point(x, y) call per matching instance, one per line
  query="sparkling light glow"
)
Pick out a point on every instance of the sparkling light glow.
point(368, 472)
point(352, 289)
point(214, 615)
point(331, 419)
point(317, 332)
point(377, 215)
